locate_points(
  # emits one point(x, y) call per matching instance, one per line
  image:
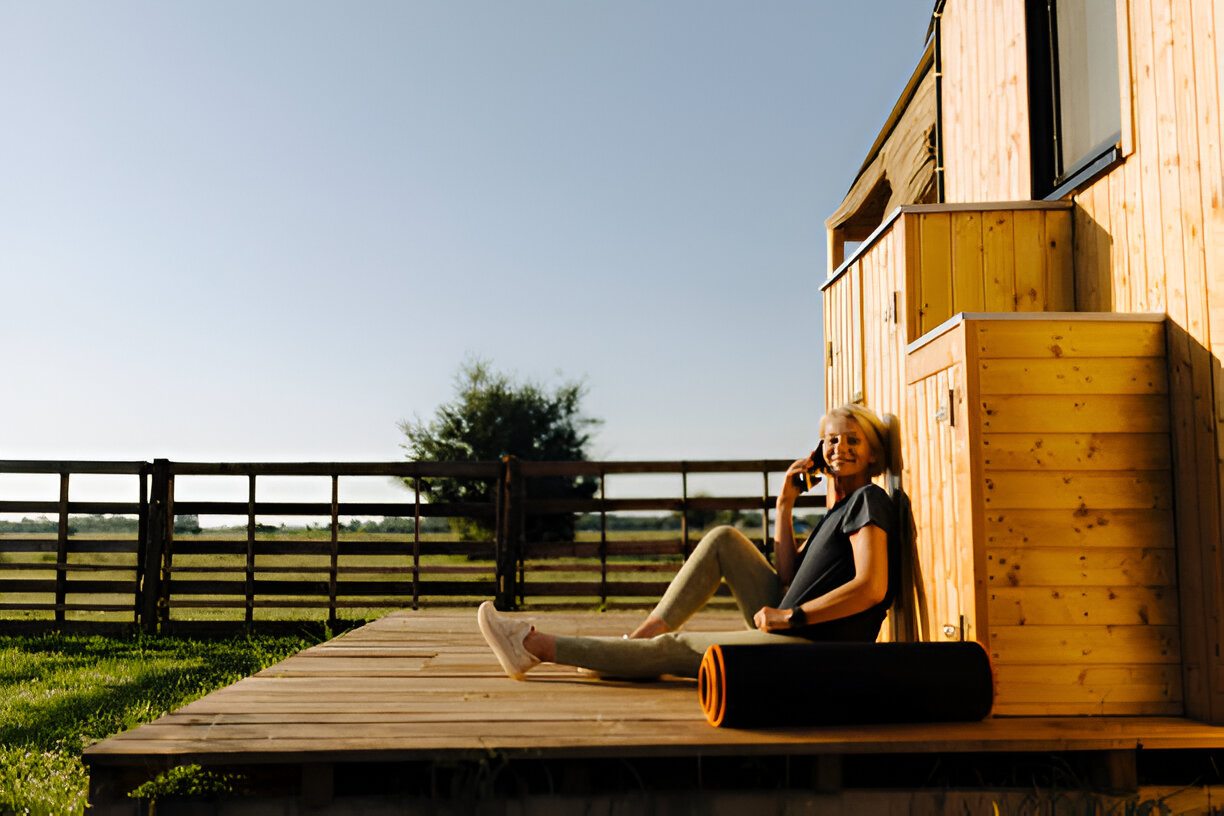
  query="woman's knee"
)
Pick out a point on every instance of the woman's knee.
point(721, 537)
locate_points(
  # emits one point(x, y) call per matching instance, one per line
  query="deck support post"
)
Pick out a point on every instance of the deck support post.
point(108, 789)
point(1116, 771)
point(318, 785)
point(827, 773)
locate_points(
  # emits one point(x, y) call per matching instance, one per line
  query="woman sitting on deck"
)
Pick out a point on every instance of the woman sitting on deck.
point(835, 587)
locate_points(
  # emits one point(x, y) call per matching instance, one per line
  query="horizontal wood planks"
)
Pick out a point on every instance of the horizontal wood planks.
point(423, 686)
point(1040, 466)
point(1078, 494)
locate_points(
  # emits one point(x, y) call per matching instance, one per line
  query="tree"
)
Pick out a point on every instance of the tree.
point(493, 416)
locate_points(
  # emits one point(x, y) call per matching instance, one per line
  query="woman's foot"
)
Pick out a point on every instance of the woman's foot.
point(651, 627)
point(505, 637)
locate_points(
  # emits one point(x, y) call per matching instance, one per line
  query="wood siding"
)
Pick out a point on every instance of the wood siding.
point(1077, 495)
point(1147, 237)
point(1013, 260)
point(1041, 473)
point(940, 480)
point(866, 357)
point(984, 117)
point(928, 263)
point(1150, 237)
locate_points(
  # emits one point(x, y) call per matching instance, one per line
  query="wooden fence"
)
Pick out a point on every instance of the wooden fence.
point(256, 576)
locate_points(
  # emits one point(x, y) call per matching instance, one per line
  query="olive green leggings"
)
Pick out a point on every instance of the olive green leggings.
point(724, 554)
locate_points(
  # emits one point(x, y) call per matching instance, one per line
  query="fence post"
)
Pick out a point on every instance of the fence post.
point(142, 544)
point(155, 548)
point(509, 544)
point(61, 552)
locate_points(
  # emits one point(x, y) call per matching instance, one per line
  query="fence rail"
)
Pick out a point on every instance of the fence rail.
point(162, 578)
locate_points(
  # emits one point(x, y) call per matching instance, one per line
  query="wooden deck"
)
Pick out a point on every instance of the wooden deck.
point(423, 687)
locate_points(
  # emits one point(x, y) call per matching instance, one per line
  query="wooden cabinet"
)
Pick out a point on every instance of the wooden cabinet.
point(1039, 465)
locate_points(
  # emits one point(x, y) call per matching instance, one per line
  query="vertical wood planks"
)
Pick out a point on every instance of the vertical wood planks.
point(1162, 209)
point(1029, 232)
point(1059, 264)
point(967, 262)
point(911, 276)
point(985, 101)
point(931, 454)
point(1000, 260)
point(1187, 172)
point(935, 257)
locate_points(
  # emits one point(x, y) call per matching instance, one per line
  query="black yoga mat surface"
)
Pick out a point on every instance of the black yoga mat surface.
point(845, 683)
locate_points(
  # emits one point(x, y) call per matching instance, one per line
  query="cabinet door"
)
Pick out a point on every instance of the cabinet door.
point(940, 487)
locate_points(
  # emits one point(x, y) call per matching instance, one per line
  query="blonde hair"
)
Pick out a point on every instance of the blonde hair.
point(880, 434)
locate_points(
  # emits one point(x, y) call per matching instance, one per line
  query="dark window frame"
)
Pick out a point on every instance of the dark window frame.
point(1050, 181)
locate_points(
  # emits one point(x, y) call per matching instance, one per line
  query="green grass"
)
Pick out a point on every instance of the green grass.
point(61, 693)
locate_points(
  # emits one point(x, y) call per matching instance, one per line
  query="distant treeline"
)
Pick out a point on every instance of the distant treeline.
point(588, 522)
point(93, 524)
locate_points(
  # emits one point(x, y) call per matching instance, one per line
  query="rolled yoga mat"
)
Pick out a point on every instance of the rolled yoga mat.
point(844, 683)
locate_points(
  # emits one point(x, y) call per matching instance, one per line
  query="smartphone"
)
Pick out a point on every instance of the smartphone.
point(806, 480)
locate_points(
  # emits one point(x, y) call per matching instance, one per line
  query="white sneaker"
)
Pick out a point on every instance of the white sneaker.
point(505, 637)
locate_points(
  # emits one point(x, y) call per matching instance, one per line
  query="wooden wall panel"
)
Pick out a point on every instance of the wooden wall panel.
point(934, 284)
point(1071, 338)
point(1070, 375)
point(1099, 690)
point(1045, 509)
point(999, 263)
point(866, 313)
point(1078, 529)
point(1100, 527)
point(1003, 260)
point(883, 316)
point(985, 101)
point(838, 333)
point(940, 475)
point(1089, 605)
point(1161, 215)
point(1146, 236)
point(1071, 451)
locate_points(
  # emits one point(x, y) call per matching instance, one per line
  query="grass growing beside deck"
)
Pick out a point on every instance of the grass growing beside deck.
point(60, 693)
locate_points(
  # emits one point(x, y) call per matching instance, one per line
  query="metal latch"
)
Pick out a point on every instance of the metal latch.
point(947, 410)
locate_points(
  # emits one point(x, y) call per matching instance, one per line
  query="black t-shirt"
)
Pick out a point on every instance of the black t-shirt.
point(827, 561)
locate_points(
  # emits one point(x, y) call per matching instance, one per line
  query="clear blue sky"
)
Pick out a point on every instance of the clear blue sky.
point(250, 231)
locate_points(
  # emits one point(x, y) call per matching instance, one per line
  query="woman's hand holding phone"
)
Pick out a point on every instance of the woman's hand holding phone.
point(808, 474)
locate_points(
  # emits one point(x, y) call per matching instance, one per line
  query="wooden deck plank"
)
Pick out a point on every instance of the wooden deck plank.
point(441, 695)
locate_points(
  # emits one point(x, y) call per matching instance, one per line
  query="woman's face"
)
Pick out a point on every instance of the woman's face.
point(846, 449)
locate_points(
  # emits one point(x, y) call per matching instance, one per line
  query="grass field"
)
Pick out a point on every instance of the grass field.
point(61, 693)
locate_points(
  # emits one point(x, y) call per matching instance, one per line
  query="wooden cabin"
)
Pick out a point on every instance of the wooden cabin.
point(1037, 292)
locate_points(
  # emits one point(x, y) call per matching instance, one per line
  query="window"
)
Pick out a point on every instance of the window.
point(1075, 109)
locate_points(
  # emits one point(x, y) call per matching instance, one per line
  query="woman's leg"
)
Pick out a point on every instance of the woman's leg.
point(677, 653)
point(520, 647)
point(724, 553)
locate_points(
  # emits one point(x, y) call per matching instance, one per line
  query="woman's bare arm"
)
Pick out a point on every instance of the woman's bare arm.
point(866, 589)
point(785, 549)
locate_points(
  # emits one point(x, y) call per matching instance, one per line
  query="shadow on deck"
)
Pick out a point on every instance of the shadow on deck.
point(411, 714)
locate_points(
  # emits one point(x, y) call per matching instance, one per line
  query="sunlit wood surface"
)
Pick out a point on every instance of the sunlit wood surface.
point(423, 685)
